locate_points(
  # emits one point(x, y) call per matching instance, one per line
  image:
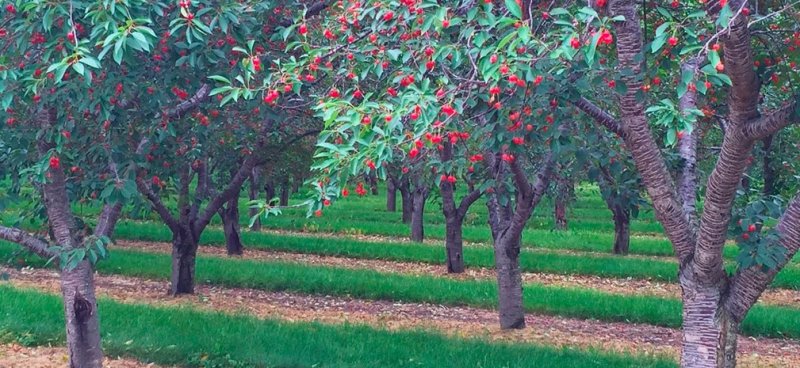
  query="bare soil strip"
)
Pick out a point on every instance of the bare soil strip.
point(17, 356)
point(453, 321)
point(783, 297)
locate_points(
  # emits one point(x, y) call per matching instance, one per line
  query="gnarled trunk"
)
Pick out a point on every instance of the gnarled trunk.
point(709, 331)
point(417, 225)
point(509, 282)
point(184, 252)
point(622, 225)
point(80, 309)
point(391, 197)
point(230, 226)
point(454, 244)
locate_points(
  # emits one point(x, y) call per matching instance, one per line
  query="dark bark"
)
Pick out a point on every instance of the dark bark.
point(391, 197)
point(269, 188)
point(622, 224)
point(373, 183)
point(419, 195)
point(454, 244)
point(454, 216)
point(565, 189)
point(296, 184)
point(405, 199)
point(255, 185)
point(230, 225)
point(184, 252)
point(284, 200)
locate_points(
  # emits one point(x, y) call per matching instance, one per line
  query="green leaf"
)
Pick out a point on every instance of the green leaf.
point(514, 8)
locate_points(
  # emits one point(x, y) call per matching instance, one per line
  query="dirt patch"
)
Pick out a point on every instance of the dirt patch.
point(17, 356)
point(610, 285)
point(454, 321)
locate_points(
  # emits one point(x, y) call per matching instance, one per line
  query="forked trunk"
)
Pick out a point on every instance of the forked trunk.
point(80, 309)
point(454, 244)
point(391, 197)
point(622, 233)
point(417, 225)
point(709, 331)
point(230, 225)
point(509, 282)
point(184, 252)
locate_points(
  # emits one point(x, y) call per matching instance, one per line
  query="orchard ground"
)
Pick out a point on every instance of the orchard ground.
point(348, 289)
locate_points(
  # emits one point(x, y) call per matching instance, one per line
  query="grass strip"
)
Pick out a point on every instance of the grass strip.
point(542, 262)
point(769, 321)
point(181, 335)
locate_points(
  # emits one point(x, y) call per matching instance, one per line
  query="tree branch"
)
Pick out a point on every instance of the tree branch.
point(108, 219)
point(28, 241)
point(600, 116)
point(185, 106)
point(155, 201)
point(774, 121)
point(639, 140)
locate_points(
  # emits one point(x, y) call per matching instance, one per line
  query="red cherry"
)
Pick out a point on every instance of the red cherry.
point(672, 41)
point(445, 23)
point(751, 228)
point(55, 162)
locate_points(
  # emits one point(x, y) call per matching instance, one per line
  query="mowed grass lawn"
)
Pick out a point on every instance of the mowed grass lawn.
point(181, 336)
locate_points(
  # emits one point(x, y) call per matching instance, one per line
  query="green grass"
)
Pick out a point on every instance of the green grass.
point(180, 335)
point(368, 284)
point(545, 262)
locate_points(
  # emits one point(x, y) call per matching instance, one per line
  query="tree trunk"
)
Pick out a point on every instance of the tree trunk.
point(391, 197)
point(77, 285)
point(509, 282)
point(253, 195)
point(564, 189)
point(622, 234)
point(407, 204)
point(417, 225)
point(80, 308)
point(560, 214)
point(709, 331)
point(270, 189)
point(373, 183)
point(454, 244)
point(184, 252)
point(296, 185)
point(230, 225)
point(284, 201)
